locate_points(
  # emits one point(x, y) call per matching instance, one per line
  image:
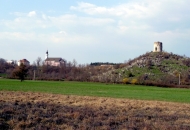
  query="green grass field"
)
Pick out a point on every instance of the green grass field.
point(99, 89)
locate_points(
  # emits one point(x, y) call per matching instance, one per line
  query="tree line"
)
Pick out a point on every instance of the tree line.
point(70, 71)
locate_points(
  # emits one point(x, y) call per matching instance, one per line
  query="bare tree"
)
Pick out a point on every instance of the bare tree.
point(74, 63)
point(39, 61)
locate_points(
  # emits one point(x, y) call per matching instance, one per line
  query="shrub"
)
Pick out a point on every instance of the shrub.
point(134, 81)
point(130, 74)
point(125, 80)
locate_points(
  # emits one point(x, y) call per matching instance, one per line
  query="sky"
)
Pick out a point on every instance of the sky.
point(92, 30)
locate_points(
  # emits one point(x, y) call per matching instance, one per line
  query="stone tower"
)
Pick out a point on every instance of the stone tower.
point(46, 56)
point(157, 47)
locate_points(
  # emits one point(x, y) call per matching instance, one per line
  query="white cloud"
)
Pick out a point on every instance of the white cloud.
point(125, 10)
point(170, 10)
point(63, 32)
point(121, 29)
point(17, 14)
point(17, 36)
point(32, 13)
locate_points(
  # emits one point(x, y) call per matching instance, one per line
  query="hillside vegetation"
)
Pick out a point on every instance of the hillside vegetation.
point(160, 68)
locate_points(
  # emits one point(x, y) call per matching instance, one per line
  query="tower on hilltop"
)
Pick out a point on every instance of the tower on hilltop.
point(157, 47)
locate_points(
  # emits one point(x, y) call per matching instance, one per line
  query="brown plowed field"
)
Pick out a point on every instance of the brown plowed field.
point(28, 110)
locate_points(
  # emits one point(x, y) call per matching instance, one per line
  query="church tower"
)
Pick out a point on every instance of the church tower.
point(157, 47)
point(46, 56)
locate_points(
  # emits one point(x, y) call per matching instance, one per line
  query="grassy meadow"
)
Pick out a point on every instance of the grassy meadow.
point(98, 90)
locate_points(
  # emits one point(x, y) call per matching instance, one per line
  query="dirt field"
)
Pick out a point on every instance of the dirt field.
point(27, 110)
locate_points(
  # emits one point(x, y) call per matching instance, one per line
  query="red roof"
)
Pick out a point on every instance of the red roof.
point(24, 60)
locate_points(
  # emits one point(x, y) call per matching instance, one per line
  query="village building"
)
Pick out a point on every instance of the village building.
point(53, 61)
point(24, 62)
point(10, 62)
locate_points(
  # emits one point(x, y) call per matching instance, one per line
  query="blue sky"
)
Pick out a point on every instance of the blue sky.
point(92, 30)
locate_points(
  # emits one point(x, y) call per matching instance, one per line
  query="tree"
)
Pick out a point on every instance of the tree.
point(2, 60)
point(39, 61)
point(2, 65)
point(74, 63)
point(21, 72)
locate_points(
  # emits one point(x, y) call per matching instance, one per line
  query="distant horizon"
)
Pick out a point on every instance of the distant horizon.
point(94, 61)
point(92, 31)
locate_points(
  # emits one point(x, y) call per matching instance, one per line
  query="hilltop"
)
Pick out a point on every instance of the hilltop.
point(160, 67)
point(152, 68)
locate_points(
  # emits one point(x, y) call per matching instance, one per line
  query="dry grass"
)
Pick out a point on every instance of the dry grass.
point(28, 110)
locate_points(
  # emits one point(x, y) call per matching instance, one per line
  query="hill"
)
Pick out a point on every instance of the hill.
point(153, 68)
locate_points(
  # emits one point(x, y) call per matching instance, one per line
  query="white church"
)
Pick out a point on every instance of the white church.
point(53, 61)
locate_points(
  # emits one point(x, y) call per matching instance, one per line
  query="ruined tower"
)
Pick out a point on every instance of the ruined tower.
point(157, 47)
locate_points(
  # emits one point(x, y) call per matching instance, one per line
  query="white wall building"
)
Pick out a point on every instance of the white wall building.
point(53, 61)
point(24, 62)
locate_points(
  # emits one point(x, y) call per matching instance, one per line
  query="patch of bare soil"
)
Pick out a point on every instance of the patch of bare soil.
point(28, 110)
